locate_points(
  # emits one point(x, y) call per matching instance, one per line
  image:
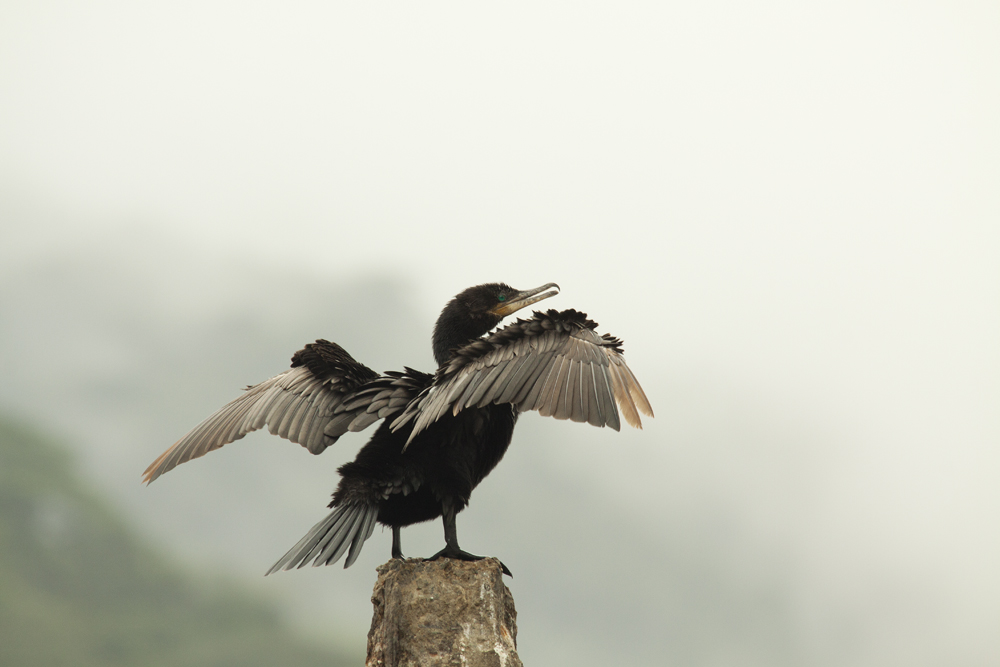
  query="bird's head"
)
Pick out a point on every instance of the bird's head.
point(476, 310)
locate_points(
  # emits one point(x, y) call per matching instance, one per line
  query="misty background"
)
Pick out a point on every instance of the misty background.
point(788, 212)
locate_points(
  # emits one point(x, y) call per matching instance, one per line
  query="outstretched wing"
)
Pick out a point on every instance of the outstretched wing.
point(325, 394)
point(555, 363)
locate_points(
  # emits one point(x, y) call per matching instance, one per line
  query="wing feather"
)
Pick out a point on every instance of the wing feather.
point(594, 416)
point(499, 387)
point(635, 390)
point(605, 398)
point(570, 394)
point(470, 388)
point(521, 383)
point(623, 397)
point(583, 405)
point(548, 397)
point(535, 383)
point(486, 383)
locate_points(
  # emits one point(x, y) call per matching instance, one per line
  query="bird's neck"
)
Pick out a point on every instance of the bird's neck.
point(454, 332)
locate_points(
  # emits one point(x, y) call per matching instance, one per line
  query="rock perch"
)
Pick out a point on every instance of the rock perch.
point(442, 613)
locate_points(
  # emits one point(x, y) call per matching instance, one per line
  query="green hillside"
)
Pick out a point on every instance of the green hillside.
point(78, 588)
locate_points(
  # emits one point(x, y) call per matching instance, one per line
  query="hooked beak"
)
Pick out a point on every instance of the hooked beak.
point(525, 298)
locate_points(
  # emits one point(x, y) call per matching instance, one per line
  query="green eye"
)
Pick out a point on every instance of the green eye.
point(501, 298)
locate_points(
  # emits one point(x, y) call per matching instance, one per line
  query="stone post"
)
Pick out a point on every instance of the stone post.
point(442, 613)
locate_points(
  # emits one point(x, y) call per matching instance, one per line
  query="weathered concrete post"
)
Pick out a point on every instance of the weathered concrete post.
point(443, 612)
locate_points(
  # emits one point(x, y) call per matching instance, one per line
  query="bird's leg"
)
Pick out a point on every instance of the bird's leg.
point(397, 551)
point(451, 548)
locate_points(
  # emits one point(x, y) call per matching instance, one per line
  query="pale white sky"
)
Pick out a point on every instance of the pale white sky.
point(821, 172)
point(797, 200)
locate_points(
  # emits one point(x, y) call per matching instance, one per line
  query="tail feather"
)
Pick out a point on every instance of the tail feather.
point(359, 538)
point(341, 541)
point(324, 544)
point(323, 533)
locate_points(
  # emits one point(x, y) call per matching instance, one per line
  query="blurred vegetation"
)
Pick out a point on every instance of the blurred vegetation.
point(78, 587)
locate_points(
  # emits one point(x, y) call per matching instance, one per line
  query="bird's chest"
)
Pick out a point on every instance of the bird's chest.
point(472, 442)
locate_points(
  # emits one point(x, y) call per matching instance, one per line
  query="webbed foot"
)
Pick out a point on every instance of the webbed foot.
point(458, 554)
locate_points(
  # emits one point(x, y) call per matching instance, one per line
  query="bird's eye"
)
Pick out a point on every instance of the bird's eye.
point(501, 298)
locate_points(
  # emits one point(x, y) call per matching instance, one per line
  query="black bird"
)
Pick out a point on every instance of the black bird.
point(442, 433)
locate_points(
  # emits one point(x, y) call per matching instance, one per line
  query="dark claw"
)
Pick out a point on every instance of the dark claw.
point(458, 554)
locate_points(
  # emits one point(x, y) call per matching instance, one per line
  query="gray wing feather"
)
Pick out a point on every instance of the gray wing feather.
point(486, 383)
point(532, 383)
point(547, 398)
point(470, 388)
point(569, 402)
point(523, 382)
point(362, 421)
point(501, 388)
point(609, 412)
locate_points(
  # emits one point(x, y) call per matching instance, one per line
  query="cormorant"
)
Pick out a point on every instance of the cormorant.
point(441, 434)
